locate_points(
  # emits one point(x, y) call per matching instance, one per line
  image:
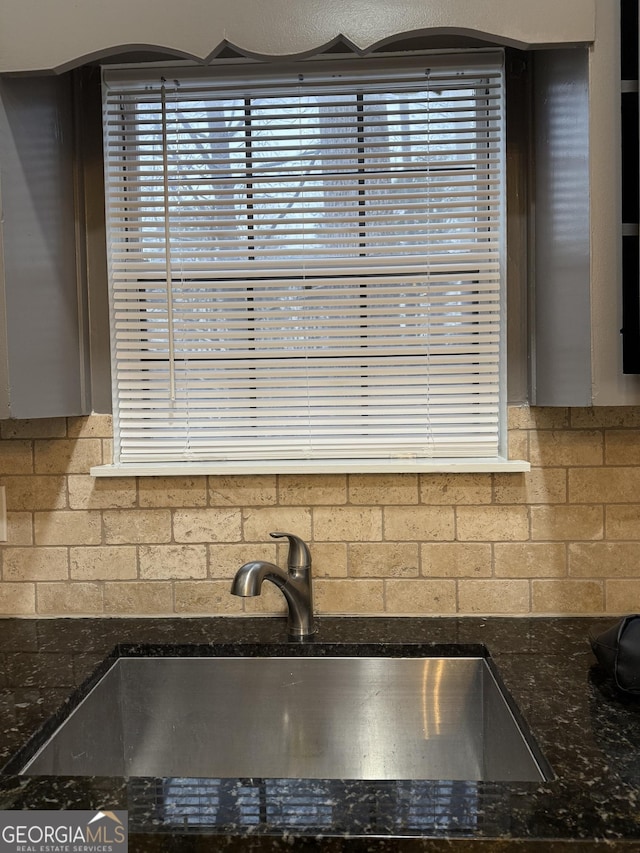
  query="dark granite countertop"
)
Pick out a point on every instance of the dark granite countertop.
point(589, 734)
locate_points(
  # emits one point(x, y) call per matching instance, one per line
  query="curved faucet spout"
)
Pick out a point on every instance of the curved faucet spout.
point(295, 585)
point(248, 579)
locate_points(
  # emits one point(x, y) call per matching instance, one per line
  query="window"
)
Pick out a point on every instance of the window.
point(307, 262)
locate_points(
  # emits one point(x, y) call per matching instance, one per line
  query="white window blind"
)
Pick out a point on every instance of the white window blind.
point(306, 263)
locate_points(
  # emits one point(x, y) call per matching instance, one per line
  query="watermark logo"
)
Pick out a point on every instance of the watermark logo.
point(63, 832)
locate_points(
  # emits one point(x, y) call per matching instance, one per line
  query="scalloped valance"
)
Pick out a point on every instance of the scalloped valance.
point(57, 35)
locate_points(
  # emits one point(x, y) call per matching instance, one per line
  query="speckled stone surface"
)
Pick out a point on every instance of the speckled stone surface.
point(589, 734)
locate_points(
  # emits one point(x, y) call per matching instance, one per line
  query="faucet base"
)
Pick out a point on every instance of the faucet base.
point(298, 634)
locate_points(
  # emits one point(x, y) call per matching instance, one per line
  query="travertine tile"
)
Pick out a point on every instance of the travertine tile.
point(69, 598)
point(622, 447)
point(106, 562)
point(16, 457)
point(623, 521)
point(567, 596)
point(622, 596)
point(329, 559)
point(225, 560)
point(518, 417)
point(17, 599)
point(270, 601)
point(492, 523)
point(86, 492)
point(530, 559)
point(282, 549)
point(130, 598)
point(456, 560)
point(33, 564)
point(604, 485)
point(68, 527)
point(384, 489)
point(254, 490)
point(349, 596)
point(604, 560)
point(566, 522)
point(205, 598)
point(107, 451)
point(347, 524)
point(518, 444)
point(130, 526)
point(312, 489)
point(420, 596)
point(553, 448)
point(35, 493)
point(538, 486)
point(383, 560)
point(537, 417)
point(605, 416)
point(421, 523)
point(67, 456)
point(455, 489)
point(19, 528)
point(493, 596)
point(165, 562)
point(364, 531)
point(213, 524)
point(38, 428)
point(172, 491)
point(91, 426)
point(259, 522)
point(549, 417)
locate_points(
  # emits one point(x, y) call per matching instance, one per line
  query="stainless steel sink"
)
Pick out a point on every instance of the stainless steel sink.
point(293, 717)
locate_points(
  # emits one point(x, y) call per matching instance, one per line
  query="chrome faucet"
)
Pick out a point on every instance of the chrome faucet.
point(295, 584)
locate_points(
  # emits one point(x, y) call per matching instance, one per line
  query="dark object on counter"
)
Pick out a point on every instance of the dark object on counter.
point(618, 652)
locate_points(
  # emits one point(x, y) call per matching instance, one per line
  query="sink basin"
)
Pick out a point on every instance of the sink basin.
point(293, 717)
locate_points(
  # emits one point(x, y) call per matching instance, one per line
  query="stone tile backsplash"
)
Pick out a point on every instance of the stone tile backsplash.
point(562, 539)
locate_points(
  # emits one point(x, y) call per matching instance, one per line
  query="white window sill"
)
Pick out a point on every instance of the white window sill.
point(325, 466)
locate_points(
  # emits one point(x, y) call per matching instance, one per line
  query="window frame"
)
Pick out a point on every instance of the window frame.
point(499, 463)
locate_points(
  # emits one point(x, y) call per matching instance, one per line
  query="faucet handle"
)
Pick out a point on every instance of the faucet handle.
point(299, 554)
